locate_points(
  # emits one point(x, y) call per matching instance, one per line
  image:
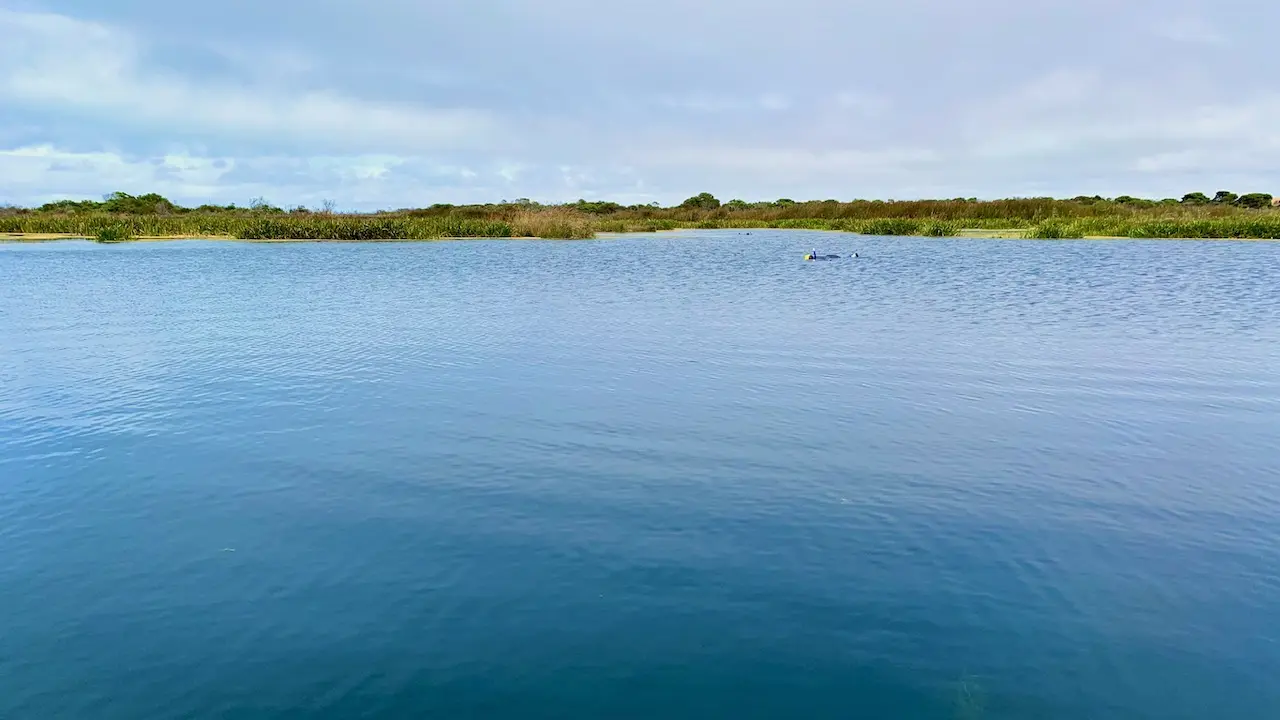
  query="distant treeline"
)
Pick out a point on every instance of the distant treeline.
point(121, 216)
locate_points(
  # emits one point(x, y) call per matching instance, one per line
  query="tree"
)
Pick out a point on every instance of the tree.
point(1134, 201)
point(1224, 197)
point(122, 202)
point(260, 205)
point(1195, 198)
point(736, 204)
point(70, 206)
point(1254, 200)
point(701, 201)
point(597, 207)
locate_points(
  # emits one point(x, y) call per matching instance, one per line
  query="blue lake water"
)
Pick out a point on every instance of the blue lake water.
point(675, 476)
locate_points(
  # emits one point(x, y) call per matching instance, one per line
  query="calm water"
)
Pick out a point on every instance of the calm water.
point(685, 476)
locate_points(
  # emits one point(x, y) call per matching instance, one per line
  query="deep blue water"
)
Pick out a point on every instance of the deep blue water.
point(679, 476)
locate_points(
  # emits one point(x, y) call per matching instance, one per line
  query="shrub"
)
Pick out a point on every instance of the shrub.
point(114, 233)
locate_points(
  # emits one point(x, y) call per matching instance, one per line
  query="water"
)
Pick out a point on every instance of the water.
point(683, 476)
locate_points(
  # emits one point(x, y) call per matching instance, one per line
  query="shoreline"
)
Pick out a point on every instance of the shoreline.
point(153, 217)
point(963, 234)
point(57, 237)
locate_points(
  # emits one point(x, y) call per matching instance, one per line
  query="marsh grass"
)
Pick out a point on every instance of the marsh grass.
point(557, 223)
point(114, 233)
point(355, 229)
point(635, 226)
point(1055, 229)
point(1257, 226)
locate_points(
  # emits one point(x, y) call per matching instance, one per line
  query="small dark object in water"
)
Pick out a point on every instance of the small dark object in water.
point(815, 256)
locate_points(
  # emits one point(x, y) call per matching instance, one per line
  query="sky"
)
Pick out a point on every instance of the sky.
point(378, 104)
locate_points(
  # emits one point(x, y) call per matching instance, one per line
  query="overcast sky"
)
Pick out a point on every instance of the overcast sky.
point(392, 103)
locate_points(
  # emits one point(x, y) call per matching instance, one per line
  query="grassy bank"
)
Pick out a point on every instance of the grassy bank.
point(113, 227)
point(122, 217)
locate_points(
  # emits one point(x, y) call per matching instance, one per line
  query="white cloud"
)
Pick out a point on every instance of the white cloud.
point(865, 103)
point(42, 173)
point(281, 64)
point(1190, 29)
point(1181, 161)
point(372, 168)
point(1246, 125)
point(52, 61)
point(791, 161)
point(387, 102)
point(1072, 115)
point(511, 171)
point(774, 101)
point(722, 103)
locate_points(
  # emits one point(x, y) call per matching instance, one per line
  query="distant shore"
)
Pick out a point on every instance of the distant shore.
point(121, 217)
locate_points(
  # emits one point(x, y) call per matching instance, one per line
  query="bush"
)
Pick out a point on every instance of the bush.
point(1055, 229)
point(701, 201)
point(891, 226)
point(1255, 201)
point(939, 228)
point(114, 233)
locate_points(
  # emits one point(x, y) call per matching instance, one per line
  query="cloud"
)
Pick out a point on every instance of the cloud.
point(791, 161)
point(1190, 29)
point(1078, 110)
point(45, 173)
point(385, 102)
point(52, 61)
point(774, 101)
point(1179, 161)
point(864, 103)
point(723, 104)
point(1120, 137)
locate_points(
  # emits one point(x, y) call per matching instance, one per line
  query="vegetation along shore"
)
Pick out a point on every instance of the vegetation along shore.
point(121, 217)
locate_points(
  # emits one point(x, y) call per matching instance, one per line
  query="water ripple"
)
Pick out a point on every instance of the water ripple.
point(684, 475)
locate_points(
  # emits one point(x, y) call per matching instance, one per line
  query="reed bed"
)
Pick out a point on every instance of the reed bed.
point(1261, 226)
point(355, 229)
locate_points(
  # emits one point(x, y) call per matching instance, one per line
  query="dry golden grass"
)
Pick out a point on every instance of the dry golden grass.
point(552, 223)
